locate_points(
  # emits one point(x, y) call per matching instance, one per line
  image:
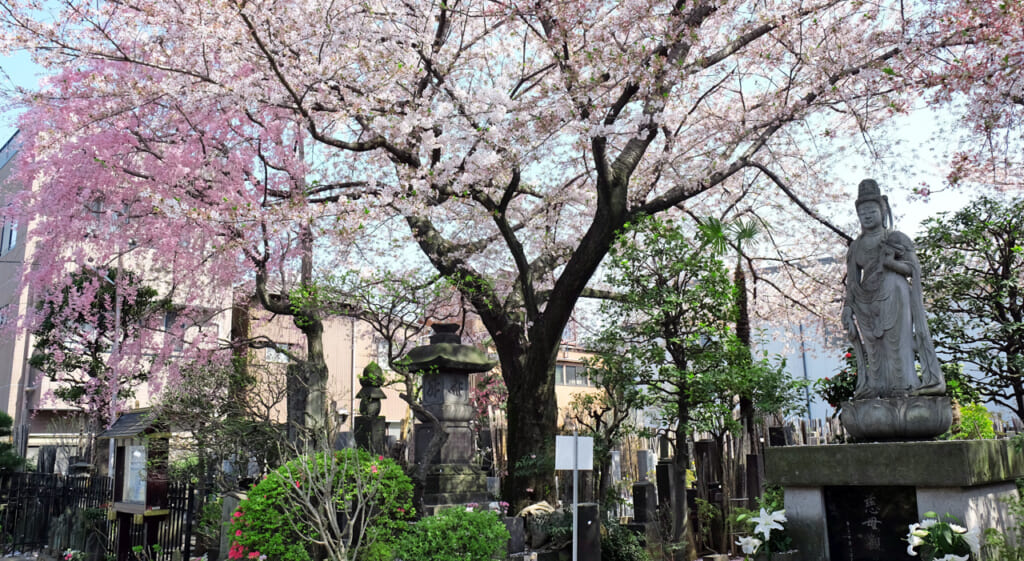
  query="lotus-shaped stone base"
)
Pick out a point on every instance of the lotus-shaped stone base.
point(897, 418)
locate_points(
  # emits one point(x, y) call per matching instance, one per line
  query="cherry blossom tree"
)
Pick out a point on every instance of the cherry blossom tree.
point(981, 76)
point(513, 139)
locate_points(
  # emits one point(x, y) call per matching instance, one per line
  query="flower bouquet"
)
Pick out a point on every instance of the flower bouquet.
point(941, 540)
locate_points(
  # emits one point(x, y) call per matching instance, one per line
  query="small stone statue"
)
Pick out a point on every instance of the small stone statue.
point(884, 312)
point(370, 429)
point(370, 394)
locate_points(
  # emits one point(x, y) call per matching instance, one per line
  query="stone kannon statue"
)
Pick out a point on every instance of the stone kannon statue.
point(884, 312)
point(886, 325)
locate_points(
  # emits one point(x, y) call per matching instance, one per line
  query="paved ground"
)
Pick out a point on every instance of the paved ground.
point(27, 557)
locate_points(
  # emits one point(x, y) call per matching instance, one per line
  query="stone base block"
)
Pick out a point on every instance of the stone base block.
point(371, 434)
point(853, 502)
point(458, 449)
point(455, 485)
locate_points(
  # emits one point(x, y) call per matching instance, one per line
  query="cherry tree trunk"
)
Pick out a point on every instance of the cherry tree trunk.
point(532, 423)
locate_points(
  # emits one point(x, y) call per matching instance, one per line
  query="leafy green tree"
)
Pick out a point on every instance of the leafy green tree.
point(73, 342)
point(77, 332)
point(676, 304)
point(9, 459)
point(737, 235)
point(607, 415)
point(972, 266)
point(675, 342)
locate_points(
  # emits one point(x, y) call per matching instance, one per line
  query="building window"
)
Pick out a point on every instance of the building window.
point(275, 356)
point(8, 236)
point(571, 375)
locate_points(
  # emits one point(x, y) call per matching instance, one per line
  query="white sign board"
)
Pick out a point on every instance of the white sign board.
point(135, 475)
point(585, 452)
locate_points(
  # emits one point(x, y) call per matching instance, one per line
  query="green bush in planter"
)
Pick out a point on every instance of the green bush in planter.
point(274, 521)
point(454, 534)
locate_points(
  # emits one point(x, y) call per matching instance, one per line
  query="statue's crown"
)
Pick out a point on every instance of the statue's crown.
point(868, 190)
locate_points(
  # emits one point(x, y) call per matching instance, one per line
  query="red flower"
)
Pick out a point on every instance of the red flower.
point(847, 355)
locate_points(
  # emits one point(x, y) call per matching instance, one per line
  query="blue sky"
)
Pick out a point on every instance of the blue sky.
point(16, 69)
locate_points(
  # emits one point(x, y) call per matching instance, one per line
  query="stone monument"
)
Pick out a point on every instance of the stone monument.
point(885, 322)
point(854, 502)
point(445, 365)
point(370, 427)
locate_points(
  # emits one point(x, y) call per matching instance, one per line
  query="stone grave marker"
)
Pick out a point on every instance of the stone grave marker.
point(869, 523)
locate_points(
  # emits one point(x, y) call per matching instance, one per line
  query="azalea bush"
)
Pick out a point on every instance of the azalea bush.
point(762, 539)
point(836, 389)
point(319, 506)
point(942, 540)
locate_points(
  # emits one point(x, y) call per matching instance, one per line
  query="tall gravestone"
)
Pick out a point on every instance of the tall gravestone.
point(854, 502)
point(445, 366)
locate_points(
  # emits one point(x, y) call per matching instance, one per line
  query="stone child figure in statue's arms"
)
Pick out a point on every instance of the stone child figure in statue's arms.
point(884, 312)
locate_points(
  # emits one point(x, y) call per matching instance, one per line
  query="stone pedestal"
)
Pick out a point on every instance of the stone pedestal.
point(370, 434)
point(853, 502)
point(899, 418)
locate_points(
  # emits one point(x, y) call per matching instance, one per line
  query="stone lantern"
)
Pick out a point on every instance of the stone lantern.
point(445, 365)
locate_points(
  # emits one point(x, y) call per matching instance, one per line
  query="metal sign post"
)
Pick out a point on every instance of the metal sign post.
point(575, 453)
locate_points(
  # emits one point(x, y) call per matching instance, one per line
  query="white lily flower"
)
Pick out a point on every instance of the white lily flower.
point(768, 521)
point(928, 523)
point(915, 541)
point(973, 539)
point(957, 529)
point(953, 557)
point(749, 544)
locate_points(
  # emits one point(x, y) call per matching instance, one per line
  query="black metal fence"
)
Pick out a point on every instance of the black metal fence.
point(173, 532)
point(40, 511)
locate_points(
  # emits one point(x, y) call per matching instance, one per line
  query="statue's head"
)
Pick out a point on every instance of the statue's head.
point(870, 198)
point(373, 376)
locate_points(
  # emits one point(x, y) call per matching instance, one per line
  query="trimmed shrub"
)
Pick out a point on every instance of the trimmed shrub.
point(454, 534)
